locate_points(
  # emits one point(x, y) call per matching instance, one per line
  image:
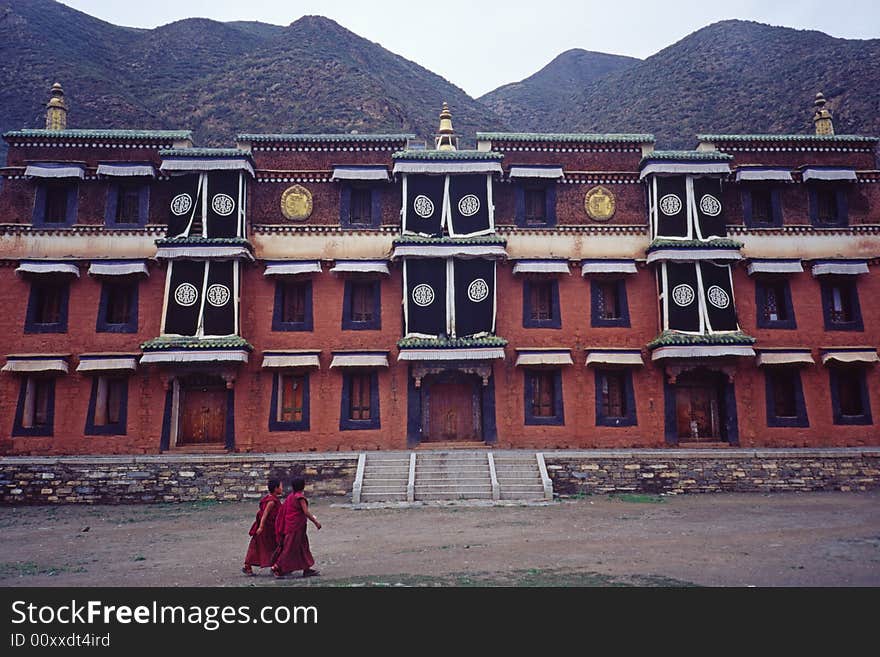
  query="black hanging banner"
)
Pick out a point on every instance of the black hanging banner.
point(184, 297)
point(426, 296)
point(710, 212)
point(683, 299)
point(718, 293)
point(424, 204)
point(219, 299)
point(184, 201)
point(469, 205)
point(223, 203)
point(474, 296)
point(672, 219)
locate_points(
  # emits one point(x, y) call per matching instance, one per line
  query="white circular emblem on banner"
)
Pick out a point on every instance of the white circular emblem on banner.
point(223, 204)
point(469, 205)
point(709, 205)
point(423, 295)
point(683, 295)
point(478, 290)
point(670, 205)
point(181, 204)
point(423, 206)
point(718, 297)
point(186, 294)
point(217, 295)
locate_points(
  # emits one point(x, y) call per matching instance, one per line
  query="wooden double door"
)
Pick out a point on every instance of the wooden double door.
point(699, 407)
point(452, 408)
point(202, 411)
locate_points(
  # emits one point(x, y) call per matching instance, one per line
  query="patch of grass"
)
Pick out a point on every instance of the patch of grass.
point(30, 568)
point(637, 498)
point(139, 557)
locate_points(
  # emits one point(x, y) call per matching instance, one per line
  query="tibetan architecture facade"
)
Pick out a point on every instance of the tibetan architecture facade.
point(352, 291)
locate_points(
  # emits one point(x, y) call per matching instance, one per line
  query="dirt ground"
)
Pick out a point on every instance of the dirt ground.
point(810, 539)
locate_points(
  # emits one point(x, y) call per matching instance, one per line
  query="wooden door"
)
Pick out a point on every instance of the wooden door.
point(453, 412)
point(697, 411)
point(203, 416)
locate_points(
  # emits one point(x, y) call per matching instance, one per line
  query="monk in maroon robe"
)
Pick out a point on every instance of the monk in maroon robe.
point(263, 544)
point(290, 527)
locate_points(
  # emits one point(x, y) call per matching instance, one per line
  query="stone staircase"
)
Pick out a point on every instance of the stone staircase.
point(519, 476)
point(452, 476)
point(384, 477)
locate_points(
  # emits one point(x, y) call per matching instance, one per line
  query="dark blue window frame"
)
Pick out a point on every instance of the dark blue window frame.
point(345, 206)
point(761, 285)
point(596, 320)
point(346, 423)
point(834, 377)
point(375, 323)
point(850, 287)
point(628, 420)
point(117, 428)
point(41, 282)
point(49, 428)
point(800, 419)
point(775, 206)
point(278, 312)
point(131, 326)
point(278, 425)
point(519, 198)
point(112, 204)
point(558, 417)
point(840, 193)
point(39, 215)
point(555, 320)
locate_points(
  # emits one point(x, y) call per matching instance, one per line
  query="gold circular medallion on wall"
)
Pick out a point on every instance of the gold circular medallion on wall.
point(600, 204)
point(296, 203)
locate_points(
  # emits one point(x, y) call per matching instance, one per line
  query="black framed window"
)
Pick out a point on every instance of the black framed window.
point(35, 412)
point(47, 305)
point(55, 204)
point(118, 308)
point(360, 400)
point(608, 304)
point(127, 204)
point(785, 398)
point(289, 408)
point(840, 304)
point(849, 395)
point(359, 206)
point(828, 205)
point(762, 206)
point(361, 307)
point(108, 406)
point(543, 397)
point(615, 398)
point(535, 204)
point(293, 305)
point(541, 303)
point(773, 303)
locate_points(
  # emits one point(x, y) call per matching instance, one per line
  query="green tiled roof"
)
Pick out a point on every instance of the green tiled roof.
point(584, 137)
point(451, 343)
point(479, 239)
point(100, 134)
point(335, 137)
point(719, 243)
point(202, 241)
point(231, 342)
point(674, 339)
point(203, 152)
point(804, 138)
point(688, 156)
point(447, 155)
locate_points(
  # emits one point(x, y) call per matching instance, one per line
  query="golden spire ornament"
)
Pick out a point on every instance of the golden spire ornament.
point(822, 117)
point(446, 139)
point(56, 109)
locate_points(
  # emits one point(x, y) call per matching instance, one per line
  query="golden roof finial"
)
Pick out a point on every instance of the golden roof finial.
point(56, 109)
point(446, 138)
point(822, 117)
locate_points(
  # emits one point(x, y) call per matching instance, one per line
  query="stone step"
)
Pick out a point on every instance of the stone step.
point(464, 495)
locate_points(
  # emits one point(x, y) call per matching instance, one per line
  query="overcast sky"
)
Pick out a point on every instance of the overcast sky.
point(481, 45)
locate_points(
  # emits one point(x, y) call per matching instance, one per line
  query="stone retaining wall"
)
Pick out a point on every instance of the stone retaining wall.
point(149, 479)
point(713, 471)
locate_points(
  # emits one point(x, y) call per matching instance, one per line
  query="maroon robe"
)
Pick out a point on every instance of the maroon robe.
point(262, 546)
point(293, 543)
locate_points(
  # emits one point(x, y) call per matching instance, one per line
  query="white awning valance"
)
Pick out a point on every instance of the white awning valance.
point(172, 356)
point(47, 267)
point(107, 363)
point(359, 359)
point(830, 174)
point(186, 164)
point(535, 172)
point(627, 358)
point(840, 267)
point(360, 173)
point(449, 251)
point(36, 364)
point(674, 168)
point(196, 252)
point(126, 170)
point(608, 267)
point(865, 355)
point(441, 167)
point(119, 268)
point(541, 267)
point(693, 255)
point(55, 170)
point(533, 357)
point(475, 353)
point(763, 174)
point(289, 359)
point(774, 267)
point(784, 357)
point(292, 268)
point(702, 351)
point(361, 267)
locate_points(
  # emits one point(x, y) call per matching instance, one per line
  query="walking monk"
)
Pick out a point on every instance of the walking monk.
point(290, 528)
point(262, 546)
